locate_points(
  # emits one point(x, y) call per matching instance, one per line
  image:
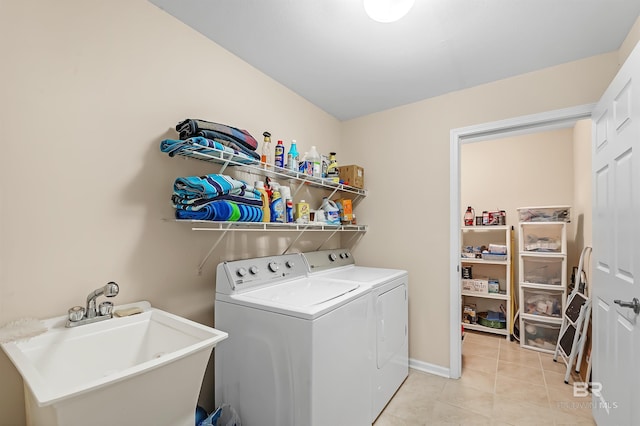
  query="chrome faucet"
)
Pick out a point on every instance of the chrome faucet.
point(79, 315)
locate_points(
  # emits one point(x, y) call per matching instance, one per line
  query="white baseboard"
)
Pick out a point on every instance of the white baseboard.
point(429, 368)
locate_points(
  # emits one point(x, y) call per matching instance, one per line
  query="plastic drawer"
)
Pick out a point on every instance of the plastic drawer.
point(544, 214)
point(543, 237)
point(540, 335)
point(542, 270)
point(546, 303)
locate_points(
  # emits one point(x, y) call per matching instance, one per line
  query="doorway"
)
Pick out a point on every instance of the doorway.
point(547, 121)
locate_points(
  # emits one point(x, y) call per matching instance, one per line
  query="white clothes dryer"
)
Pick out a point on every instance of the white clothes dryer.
point(297, 352)
point(388, 331)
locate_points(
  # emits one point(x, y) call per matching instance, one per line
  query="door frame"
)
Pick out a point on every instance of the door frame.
point(550, 120)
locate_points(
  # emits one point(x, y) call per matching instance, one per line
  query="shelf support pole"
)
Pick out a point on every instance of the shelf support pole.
point(329, 237)
point(296, 239)
point(215, 245)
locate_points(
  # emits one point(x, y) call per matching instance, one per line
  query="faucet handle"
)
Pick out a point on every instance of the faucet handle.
point(76, 313)
point(106, 308)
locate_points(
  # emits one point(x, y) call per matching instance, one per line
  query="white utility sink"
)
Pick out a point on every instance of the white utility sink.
point(136, 370)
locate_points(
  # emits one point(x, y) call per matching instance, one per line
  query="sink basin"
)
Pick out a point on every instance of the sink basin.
point(140, 369)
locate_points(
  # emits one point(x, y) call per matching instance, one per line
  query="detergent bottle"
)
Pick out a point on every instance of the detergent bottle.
point(277, 204)
point(316, 162)
point(266, 211)
point(469, 216)
point(285, 192)
point(332, 211)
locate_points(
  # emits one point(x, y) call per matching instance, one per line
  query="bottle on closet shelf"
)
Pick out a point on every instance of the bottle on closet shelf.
point(292, 157)
point(279, 160)
point(469, 216)
point(265, 158)
point(264, 196)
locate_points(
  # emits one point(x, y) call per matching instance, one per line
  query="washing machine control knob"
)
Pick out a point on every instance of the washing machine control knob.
point(241, 272)
point(343, 255)
point(273, 266)
point(253, 269)
point(290, 264)
point(332, 257)
point(346, 254)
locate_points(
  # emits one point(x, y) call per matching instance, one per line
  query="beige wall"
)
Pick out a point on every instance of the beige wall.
point(89, 89)
point(408, 208)
point(582, 212)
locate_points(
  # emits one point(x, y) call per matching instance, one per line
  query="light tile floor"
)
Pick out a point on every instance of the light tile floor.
point(501, 384)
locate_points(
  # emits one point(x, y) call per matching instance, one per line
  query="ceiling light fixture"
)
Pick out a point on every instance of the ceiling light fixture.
point(387, 10)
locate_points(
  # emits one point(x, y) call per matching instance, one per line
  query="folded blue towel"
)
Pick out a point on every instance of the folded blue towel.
point(208, 186)
point(222, 211)
point(205, 146)
point(190, 127)
point(197, 203)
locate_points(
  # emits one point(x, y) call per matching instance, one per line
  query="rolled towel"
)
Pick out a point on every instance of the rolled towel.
point(190, 127)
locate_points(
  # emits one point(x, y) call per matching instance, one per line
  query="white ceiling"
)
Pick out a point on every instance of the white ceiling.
point(332, 54)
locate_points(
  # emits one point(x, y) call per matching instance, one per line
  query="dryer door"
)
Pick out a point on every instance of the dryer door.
point(391, 324)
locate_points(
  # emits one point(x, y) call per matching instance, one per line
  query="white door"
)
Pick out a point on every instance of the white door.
point(616, 249)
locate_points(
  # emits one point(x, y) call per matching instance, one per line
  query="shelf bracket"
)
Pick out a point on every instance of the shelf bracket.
point(329, 237)
point(358, 234)
point(224, 166)
point(296, 239)
point(215, 245)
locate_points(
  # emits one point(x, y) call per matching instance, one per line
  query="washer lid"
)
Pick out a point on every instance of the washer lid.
point(303, 293)
point(306, 298)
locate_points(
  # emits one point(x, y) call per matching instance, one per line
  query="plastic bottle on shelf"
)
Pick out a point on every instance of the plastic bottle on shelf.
point(332, 211)
point(333, 173)
point(304, 166)
point(469, 216)
point(264, 196)
point(316, 162)
point(279, 161)
point(277, 204)
point(265, 158)
point(292, 157)
point(302, 212)
point(285, 191)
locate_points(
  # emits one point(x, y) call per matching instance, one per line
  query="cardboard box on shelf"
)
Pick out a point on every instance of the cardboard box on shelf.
point(352, 175)
point(346, 209)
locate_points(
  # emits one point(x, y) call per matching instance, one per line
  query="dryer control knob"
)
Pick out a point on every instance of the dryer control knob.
point(290, 264)
point(332, 257)
point(343, 255)
point(253, 269)
point(273, 266)
point(241, 272)
point(346, 254)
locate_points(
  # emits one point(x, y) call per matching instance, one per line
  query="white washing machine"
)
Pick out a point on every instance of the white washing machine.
point(388, 333)
point(297, 352)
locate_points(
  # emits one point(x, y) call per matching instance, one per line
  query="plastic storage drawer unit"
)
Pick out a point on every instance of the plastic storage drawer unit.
point(548, 237)
point(546, 303)
point(542, 270)
point(540, 335)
